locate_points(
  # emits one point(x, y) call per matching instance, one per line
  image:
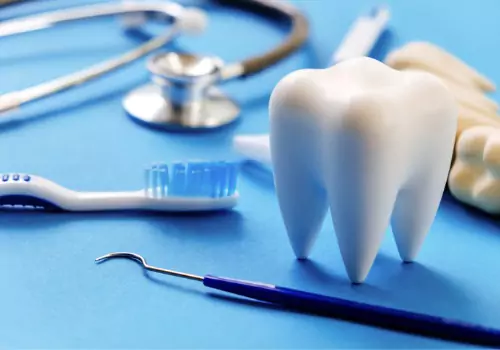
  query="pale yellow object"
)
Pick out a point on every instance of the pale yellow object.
point(470, 98)
point(433, 59)
point(468, 118)
point(475, 175)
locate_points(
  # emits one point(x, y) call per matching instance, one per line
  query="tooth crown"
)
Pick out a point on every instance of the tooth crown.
point(368, 143)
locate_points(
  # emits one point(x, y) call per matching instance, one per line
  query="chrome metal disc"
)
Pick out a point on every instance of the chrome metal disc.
point(147, 104)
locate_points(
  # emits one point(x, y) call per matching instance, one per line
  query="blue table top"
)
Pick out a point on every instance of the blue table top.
point(54, 296)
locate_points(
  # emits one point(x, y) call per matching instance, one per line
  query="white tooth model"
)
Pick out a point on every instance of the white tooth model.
point(369, 143)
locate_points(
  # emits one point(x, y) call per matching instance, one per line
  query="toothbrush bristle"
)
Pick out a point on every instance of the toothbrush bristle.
point(192, 179)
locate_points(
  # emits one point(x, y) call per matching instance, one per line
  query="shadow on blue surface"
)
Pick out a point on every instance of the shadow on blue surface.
point(439, 291)
point(276, 308)
point(184, 222)
point(258, 174)
point(469, 213)
point(398, 289)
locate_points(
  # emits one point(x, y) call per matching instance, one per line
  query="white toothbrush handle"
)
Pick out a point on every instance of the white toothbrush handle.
point(110, 201)
point(24, 188)
point(100, 201)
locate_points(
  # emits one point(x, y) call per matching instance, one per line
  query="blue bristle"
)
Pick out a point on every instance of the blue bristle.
point(205, 187)
point(154, 180)
point(163, 179)
point(192, 179)
point(178, 180)
point(147, 181)
point(194, 183)
point(223, 173)
point(232, 179)
point(216, 180)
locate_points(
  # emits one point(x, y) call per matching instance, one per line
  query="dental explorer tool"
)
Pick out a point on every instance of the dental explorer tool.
point(390, 318)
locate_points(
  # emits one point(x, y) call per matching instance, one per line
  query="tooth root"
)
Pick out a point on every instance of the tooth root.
point(295, 150)
point(419, 196)
point(362, 196)
point(303, 208)
point(414, 212)
point(360, 230)
point(302, 200)
point(418, 199)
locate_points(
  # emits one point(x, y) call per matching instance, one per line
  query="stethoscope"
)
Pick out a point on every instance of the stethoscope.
point(182, 92)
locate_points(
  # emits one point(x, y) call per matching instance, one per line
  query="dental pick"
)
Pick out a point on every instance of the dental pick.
point(380, 316)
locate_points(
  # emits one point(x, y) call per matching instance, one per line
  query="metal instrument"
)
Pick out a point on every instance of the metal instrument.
point(182, 93)
point(379, 316)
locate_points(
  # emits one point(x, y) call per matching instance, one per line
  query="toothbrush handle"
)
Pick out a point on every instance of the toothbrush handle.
point(359, 312)
point(102, 201)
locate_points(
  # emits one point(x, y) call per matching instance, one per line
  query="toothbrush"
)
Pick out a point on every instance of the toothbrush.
point(359, 41)
point(191, 186)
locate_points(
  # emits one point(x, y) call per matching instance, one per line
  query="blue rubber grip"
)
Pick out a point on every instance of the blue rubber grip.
point(379, 316)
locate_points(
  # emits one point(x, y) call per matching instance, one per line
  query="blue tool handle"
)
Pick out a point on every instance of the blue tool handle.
point(379, 316)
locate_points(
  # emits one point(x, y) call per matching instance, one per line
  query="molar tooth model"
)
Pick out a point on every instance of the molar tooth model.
point(372, 145)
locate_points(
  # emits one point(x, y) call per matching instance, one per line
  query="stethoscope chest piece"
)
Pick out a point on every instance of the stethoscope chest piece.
point(182, 94)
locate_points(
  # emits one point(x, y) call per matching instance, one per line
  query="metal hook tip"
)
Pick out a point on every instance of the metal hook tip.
point(102, 258)
point(131, 256)
point(139, 259)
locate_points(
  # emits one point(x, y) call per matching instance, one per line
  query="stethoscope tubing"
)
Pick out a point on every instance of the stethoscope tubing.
point(250, 66)
point(15, 99)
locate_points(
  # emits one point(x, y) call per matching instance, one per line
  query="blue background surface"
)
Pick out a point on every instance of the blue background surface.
point(54, 296)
